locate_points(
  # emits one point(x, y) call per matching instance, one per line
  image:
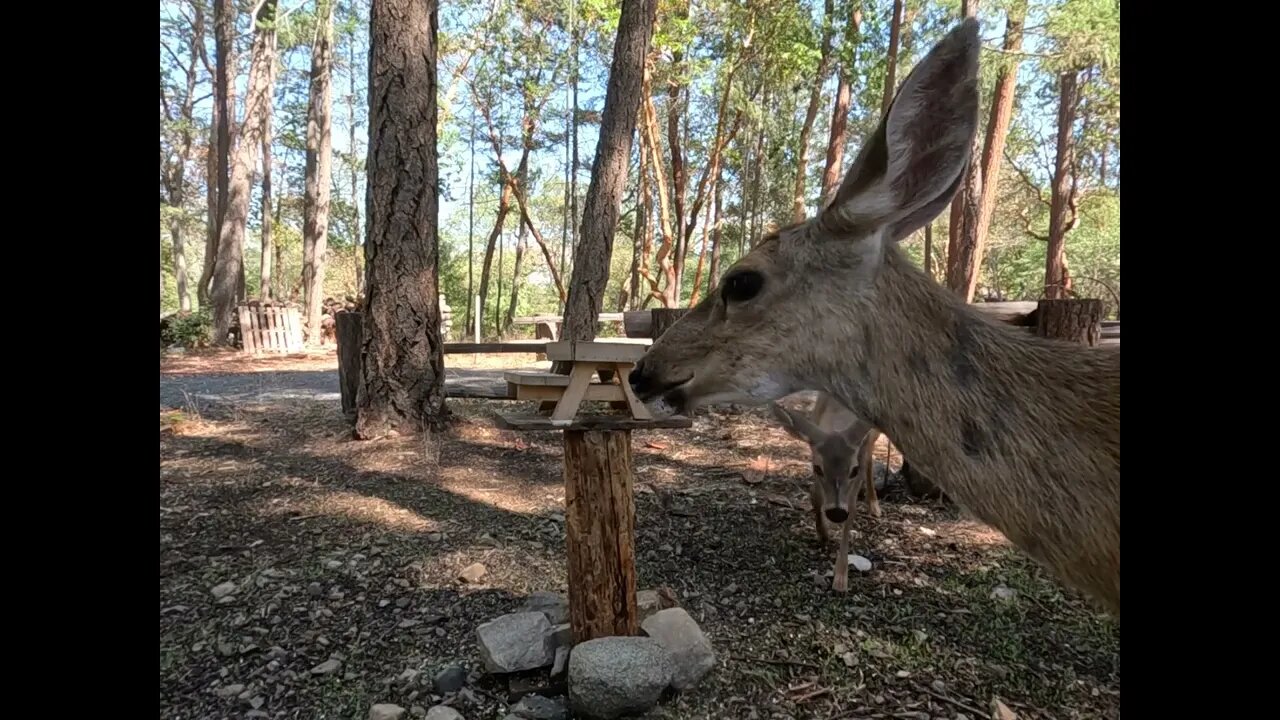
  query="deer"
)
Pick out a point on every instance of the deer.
point(840, 447)
point(1022, 432)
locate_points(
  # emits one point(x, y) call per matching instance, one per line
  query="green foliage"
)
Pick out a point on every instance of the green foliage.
point(188, 330)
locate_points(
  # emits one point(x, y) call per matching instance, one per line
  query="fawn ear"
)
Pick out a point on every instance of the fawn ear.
point(797, 424)
point(911, 166)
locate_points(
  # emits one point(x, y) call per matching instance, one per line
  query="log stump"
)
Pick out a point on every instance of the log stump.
point(600, 530)
point(1074, 320)
point(664, 318)
point(349, 332)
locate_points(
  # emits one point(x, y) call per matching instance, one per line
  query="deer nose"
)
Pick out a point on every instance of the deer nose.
point(641, 384)
point(837, 515)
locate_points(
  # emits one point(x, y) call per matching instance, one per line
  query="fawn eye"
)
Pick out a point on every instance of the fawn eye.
point(742, 286)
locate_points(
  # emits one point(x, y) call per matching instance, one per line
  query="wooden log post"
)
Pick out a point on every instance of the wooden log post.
point(664, 318)
point(1074, 320)
point(349, 333)
point(600, 529)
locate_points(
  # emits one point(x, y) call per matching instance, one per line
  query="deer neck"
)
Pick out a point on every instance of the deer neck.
point(1022, 432)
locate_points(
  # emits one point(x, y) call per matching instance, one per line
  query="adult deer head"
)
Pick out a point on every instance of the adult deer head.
point(808, 291)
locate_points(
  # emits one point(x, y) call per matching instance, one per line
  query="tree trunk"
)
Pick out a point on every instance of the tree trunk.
point(1073, 320)
point(669, 292)
point(1062, 203)
point(504, 207)
point(515, 282)
point(180, 264)
point(278, 291)
point(225, 14)
point(798, 203)
point(402, 366)
point(228, 273)
point(840, 112)
point(891, 69)
point(678, 182)
point(928, 249)
point(713, 276)
point(963, 252)
point(998, 129)
point(600, 527)
point(471, 228)
point(315, 224)
point(608, 172)
point(348, 329)
point(264, 276)
point(640, 236)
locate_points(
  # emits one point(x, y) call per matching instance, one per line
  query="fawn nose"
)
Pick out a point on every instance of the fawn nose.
point(837, 515)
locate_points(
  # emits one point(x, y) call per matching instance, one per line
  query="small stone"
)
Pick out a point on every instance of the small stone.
point(614, 676)
point(229, 691)
point(443, 712)
point(472, 573)
point(516, 642)
point(257, 701)
point(408, 623)
point(435, 537)
point(938, 686)
point(222, 590)
point(928, 531)
point(488, 540)
point(386, 711)
point(332, 564)
point(408, 677)
point(561, 661)
point(418, 711)
point(1000, 711)
point(649, 602)
point(328, 667)
point(536, 707)
point(961, 716)
point(554, 605)
point(449, 680)
point(1000, 592)
point(690, 650)
point(860, 563)
point(903, 674)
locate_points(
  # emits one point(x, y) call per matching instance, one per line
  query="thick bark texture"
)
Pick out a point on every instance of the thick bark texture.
point(811, 112)
point(315, 209)
point(228, 272)
point(402, 365)
point(1062, 210)
point(600, 208)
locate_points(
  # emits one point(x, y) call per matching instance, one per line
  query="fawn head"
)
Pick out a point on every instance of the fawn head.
point(835, 455)
point(806, 291)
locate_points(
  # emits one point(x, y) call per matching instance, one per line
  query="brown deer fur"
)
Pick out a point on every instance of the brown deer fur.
point(1023, 432)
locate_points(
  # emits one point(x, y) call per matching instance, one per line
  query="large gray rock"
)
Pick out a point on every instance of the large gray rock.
point(515, 642)
point(690, 650)
point(554, 605)
point(612, 677)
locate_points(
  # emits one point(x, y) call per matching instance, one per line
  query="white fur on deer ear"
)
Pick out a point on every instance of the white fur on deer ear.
point(911, 166)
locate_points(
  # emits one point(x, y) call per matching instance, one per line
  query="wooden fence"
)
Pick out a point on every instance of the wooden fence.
point(270, 328)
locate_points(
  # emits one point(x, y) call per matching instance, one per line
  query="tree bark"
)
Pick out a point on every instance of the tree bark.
point(663, 318)
point(504, 207)
point(1062, 203)
point(640, 234)
point(600, 208)
point(264, 275)
point(998, 131)
point(678, 178)
point(224, 103)
point(315, 227)
point(840, 112)
point(515, 282)
point(664, 289)
point(798, 203)
point(928, 249)
point(1073, 320)
point(963, 252)
point(717, 234)
point(348, 332)
point(228, 272)
point(402, 366)
point(891, 69)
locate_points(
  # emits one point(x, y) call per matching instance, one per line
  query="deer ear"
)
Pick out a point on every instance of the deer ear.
point(794, 423)
point(911, 166)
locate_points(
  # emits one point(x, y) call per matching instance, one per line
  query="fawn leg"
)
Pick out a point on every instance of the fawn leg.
point(868, 468)
point(815, 498)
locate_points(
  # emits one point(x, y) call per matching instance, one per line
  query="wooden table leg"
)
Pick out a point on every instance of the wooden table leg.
point(638, 409)
point(579, 380)
point(600, 533)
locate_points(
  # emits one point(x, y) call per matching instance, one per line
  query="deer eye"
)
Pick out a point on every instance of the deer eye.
point(742, 286)
point(817, 470)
